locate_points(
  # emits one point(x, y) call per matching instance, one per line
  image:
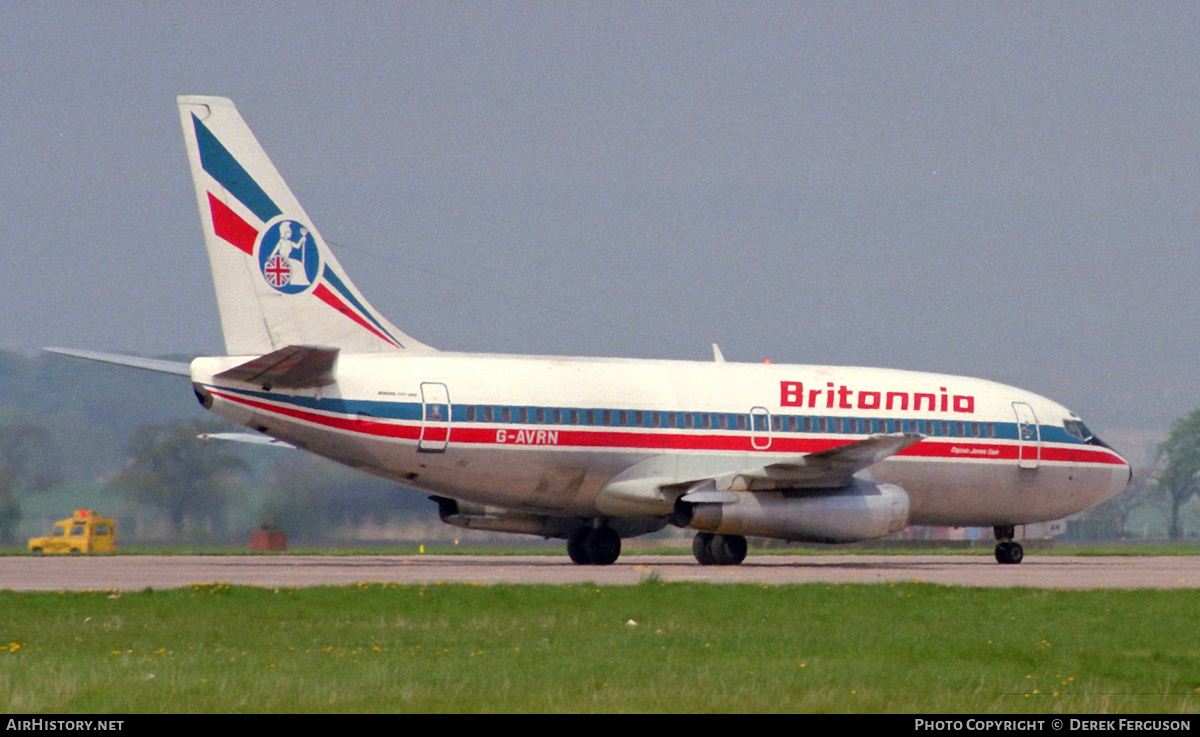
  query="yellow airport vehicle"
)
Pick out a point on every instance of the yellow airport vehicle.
point(82, 533)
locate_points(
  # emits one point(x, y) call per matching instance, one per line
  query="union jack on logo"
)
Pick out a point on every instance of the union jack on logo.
point(277, 271)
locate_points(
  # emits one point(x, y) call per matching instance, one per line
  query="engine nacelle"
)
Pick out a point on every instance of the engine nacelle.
point(861, 511)
point(493, 519)
point(471, 516)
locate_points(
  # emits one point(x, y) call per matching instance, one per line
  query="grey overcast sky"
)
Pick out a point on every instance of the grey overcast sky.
point(1005, 190)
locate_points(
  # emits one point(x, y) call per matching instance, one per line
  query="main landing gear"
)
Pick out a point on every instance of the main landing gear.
point(1007, 550)
point(597, 546)
point(712, 549)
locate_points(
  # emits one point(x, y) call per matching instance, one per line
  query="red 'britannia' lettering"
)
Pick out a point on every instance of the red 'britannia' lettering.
point(831, 396)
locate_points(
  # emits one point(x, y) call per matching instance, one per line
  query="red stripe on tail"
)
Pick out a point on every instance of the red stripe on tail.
point(230, 227)
point(331, 299)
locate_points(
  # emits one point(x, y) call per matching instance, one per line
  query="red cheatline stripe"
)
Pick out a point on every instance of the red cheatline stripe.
point(354, 424)
point(576, 439)
point(230, 227)
point(333, 301)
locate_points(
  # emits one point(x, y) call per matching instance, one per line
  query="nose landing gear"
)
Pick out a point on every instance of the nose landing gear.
point(1007, 550)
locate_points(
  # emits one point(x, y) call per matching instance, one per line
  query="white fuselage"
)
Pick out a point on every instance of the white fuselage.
point(548, 435)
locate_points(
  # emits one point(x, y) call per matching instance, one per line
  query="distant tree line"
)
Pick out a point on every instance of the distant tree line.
point(1166, 486)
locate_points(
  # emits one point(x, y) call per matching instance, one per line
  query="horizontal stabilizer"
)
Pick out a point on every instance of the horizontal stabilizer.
point(244, 437)
point(179, 368)
point(293, 367)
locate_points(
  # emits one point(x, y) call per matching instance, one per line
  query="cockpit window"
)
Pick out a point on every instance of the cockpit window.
point(1079, 430)
point(1075, 429)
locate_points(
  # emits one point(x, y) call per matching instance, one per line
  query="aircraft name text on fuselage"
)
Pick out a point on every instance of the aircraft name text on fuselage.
point(792, 394)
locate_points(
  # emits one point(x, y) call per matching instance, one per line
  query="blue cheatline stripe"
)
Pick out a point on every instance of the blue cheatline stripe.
point(220, 164)
point(412, 411)
point(377, 409)
point(335, 282)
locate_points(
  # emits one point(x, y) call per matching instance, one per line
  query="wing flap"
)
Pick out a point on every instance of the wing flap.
point(825, 469)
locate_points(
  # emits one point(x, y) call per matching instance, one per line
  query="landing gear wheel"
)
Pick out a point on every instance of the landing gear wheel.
point(702, 548)
point(718, 550)
point(577, 546)
point(1009, 552)
point(728, 550)
point(603, 546)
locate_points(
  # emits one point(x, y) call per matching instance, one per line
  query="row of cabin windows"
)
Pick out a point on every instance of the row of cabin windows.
point(725, 421)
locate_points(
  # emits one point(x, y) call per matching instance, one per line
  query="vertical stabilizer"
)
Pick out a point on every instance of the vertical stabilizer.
point(277, 282)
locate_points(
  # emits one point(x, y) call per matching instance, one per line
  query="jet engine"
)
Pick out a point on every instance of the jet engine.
point(494, 519)
point(860, 511)
point(473, 516)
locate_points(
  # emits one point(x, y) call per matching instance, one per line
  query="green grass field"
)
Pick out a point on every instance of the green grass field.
point(652, 647)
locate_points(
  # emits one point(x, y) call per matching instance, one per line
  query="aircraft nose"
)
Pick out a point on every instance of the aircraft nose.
point(1122, 475)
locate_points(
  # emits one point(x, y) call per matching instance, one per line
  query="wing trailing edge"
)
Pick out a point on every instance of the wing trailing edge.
point(293, 367)
point(822, 470)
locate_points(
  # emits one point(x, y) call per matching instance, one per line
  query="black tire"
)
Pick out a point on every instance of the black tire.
point(1009, 552)
point(728, 550)
point(702, 545)
point(603, 546)
point(577, 546)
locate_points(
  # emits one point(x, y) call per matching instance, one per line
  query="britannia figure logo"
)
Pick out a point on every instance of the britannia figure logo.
point(288, 257)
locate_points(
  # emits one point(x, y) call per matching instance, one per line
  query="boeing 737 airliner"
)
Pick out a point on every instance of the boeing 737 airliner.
point(596, 450)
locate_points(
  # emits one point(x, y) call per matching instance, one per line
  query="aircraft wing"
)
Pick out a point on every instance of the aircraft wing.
point(822, 470)
point(292, 367)
point(179, 368)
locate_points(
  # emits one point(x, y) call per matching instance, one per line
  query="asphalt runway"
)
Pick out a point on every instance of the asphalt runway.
point(137, 572)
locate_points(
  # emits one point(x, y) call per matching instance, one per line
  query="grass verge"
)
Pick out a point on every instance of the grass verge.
point(653, 647)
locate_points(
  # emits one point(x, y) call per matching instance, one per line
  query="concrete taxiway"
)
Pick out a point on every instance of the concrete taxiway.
point(137, 572)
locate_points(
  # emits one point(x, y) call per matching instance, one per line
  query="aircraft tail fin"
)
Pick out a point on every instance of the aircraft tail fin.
point(277, 282)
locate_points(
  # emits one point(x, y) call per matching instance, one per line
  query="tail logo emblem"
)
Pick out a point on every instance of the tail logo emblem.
point(288, 257)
